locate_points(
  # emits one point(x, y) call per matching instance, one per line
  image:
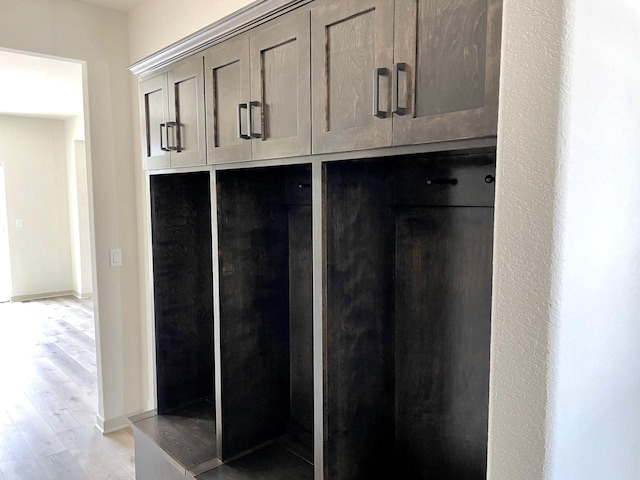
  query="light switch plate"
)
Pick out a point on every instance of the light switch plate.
point(115, 257)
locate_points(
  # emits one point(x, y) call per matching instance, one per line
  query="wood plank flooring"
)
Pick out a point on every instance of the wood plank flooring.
point(49, 396)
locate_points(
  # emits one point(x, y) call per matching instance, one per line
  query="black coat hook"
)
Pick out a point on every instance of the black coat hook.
point(489, 179)
point(304, 185)
point(442, 181)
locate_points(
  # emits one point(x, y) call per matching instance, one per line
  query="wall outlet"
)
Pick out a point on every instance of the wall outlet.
point(18, 223)
point(115, 257)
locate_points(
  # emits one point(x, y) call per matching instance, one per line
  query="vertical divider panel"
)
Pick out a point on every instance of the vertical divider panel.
point(317, 195)
point(217, 355)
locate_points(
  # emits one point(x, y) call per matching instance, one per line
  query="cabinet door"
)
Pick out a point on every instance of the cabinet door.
point(153, 120)
point(447, 56)
point(352, 52)
point(186, 112)
point(280, 89)
point(228, 94)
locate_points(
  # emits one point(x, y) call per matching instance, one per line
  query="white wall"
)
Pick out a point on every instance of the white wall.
point(594, 419)
point(33, 153)
point(565, 384)
point(156, 24)
point(78, 206)
point(99, 37)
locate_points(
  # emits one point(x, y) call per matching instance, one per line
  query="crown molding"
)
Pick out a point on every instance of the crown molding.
point(247, 17)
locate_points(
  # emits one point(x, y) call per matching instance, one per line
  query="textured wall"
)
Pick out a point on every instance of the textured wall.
point(525, 262)
point(565, 384)
point(594, 382)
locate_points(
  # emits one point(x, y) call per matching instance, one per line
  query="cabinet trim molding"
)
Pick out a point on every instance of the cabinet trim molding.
point(252, 15)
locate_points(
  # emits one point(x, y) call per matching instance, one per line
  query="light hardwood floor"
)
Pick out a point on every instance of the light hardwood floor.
point(48, 396)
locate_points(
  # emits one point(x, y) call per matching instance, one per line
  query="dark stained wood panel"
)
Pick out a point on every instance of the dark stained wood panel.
point(448, 88)
point(351, 59)
point(227, 96)
point(183, 296)
point(359, 323)
point(407, 321)
point(272, 462)
point(350, 40)
point(442, 338)
point(279, 81)
point(451, 56)
point(301, 317)
point(281, 88)
point(266, 368)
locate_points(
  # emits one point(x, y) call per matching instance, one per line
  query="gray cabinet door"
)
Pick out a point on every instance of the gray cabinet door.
point(153, 119)
point(447, 55)
point(186, 112)
point(280, 89)
point(352, 55)
point(228, 93)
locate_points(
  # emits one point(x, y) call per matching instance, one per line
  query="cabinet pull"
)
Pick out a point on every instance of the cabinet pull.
point(252, 134)
point(162, 147)
point(377, 72)
point(242, 106)
point(395, 108)
point(171, 148)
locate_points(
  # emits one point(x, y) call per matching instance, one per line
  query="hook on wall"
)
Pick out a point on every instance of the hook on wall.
point(441, 181)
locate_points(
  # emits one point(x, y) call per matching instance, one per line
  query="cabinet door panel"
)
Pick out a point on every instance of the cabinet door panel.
point(280, 82)
point(186, 107)
point(449, 88)
point(349, 41)
point(153, 114)
point(228, 86)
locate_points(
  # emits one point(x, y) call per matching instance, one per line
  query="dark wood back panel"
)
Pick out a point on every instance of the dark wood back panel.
point(257, 345)
point(183, 295)
point(442, 337)
point(359, 323)
point(407, 321)
point(301, 318)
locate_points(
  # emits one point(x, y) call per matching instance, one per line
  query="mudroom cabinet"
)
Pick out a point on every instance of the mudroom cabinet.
point(172, 117)
point(258, 90)
point(321, 242)
point(434, 79)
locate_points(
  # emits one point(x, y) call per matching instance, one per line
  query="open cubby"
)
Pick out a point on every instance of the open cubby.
point(183, 308)
point(266, 326)
point(407, 325)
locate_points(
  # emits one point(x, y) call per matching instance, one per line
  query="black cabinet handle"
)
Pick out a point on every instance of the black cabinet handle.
point(377, 72)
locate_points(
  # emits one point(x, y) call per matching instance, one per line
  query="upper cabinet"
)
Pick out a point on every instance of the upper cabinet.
point(351, 53)
point(172, 117)
point(335, 76)
point(437, 80)
point(258, 94)
point(445, 75)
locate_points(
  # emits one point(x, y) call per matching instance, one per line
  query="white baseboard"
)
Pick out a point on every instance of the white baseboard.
point(41, 296)
point(113, 424)
point(82, 296)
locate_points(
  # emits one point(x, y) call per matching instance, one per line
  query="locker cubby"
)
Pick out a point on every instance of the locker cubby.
point(183, 311)
point(408, 245)
point(266, 325)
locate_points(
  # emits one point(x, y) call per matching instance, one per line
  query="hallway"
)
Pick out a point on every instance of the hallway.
point(49, 396)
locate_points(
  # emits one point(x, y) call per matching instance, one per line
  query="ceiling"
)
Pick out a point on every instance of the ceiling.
point(122, 5)
point(39, 87)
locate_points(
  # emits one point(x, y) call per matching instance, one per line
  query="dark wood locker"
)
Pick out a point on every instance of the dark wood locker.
point(183, 293)
point(266, 329)
point(408, 291)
